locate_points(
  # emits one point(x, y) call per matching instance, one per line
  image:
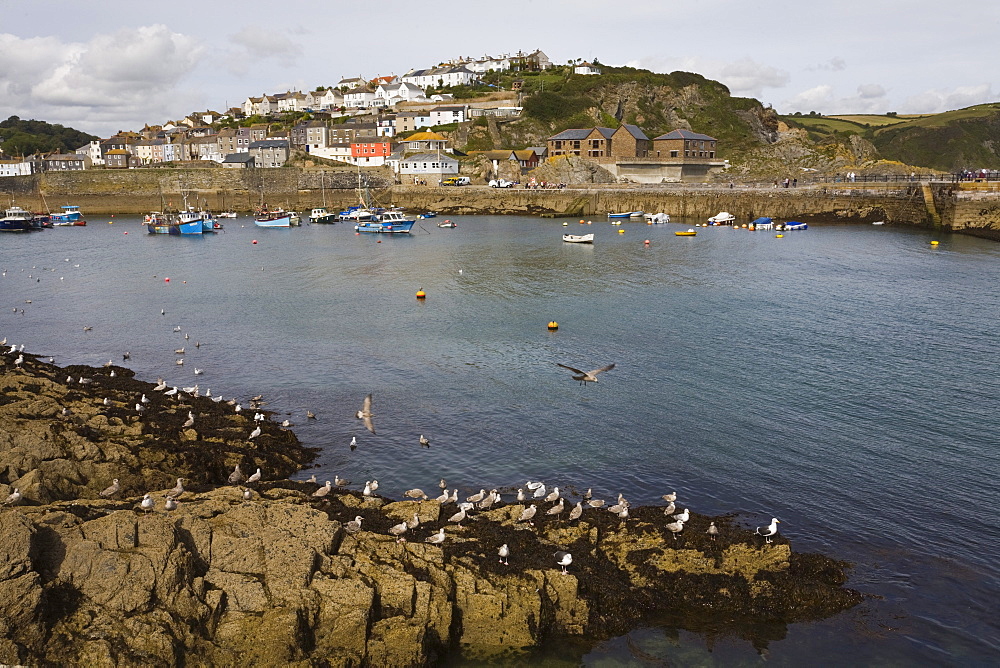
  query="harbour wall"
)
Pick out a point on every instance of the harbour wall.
point(105, 192)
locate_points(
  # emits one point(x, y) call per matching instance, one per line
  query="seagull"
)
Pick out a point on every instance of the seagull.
point(112, 490)
point(170, 503)
point(112, 374)
point(180, 362)
point(553, 495)
point(163, 311)
point(424, 441)
point(586, 376)
point(87, 328)
point(255, 433)
point(556, 509)
point(354, 525)
point(340, 482)
point(623, 513)
point(126, 356)
point(528, 513)
point(106, 402)
point(458, 517)
point(490, 499)
point(520, 495)
point(13, 498)
point(477, 497)
point(354, 442)
point(177, 328)
point(768, 531)
point(588, 494)
point(675, 528)
point(533, 485)
point(684, 516)
point(189, 422)
point(669, 498)
point(539, 491)
point(415, 494)
point(146, 504)
point(443, 498)
point(414, 522)
point(179, 351)
point(712, 530)
point(286, 423)
point(144, 399)
point(160, 386)
point(398, 530)
point(177, 490)
point(618, 507)
point(504, 552)
point(310, 415)
point(236, 477)
point(170, 393)
point(576, 512)
point(374, 485)
point(324, 490)
point(367, 491)
point(20, 360)
point(198, 371)
point(254, 478)
point(366, 413)
point(563, 559)
point(596, 503)
point(437, 538)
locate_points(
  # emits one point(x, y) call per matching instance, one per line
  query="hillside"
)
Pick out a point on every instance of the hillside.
point(19, 137)
point(966, 138)
point(658, 103)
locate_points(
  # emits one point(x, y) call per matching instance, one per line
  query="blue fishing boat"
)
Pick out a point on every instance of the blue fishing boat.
point(627, 214)
point(428, 214)
point(273, 219)
point(70, 215)
point(16, 219)
point(166, 223)
point(390, 222)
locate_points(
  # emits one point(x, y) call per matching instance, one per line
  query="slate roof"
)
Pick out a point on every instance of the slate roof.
point(684, 134)
point(269, 143)
point(430, 157)
point(582, 133)
point(635, 131)
point(238, 158)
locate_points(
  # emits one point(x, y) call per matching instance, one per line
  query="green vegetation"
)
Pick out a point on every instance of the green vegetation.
point(18, 138)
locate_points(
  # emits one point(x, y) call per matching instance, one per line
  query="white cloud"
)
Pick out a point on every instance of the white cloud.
point(254, 44)
point(869, 99)
point(835, 64)
point(934, 101)
point(112, 79)
point(743, 77)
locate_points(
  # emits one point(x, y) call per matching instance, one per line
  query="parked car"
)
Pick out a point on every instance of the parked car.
point(457, 181)
point(501, 183)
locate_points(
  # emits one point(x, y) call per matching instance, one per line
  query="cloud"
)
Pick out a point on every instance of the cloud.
point(835, 64)
point(743, 77)
point(935, 101)
point(869, 99)
point(255, 44)
point(114, 78)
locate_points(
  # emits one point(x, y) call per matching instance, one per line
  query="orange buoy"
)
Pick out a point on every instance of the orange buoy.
point(646, 242)
point(553, 325)
point(421, 294)
point(255, 241)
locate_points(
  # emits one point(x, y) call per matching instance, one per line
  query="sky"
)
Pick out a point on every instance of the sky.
point(100, 67)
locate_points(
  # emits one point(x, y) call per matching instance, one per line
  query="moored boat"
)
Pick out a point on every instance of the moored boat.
point(686, 233)
point(226, 214)
point(16, 219)
point(273, 219)
point(168, 223)
point(626, 214)
point(447, 223)
point(321, 215)
point(70, 215)
point(578, 238)
point(791, 226)
point(762, 223)
point(722, 218)
point(657, 218)
point(390, 222)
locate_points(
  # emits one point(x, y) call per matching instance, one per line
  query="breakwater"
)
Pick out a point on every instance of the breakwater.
point(105, 192)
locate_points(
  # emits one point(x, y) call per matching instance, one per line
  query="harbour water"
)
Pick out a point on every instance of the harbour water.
point(842, 379)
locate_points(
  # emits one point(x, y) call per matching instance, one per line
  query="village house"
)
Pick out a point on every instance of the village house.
point(423, 142)
point(330, 98)
point(583, 142)
point(408, 121)
point(117, 158)
point(205, 148)
point(536, 61)
point(449, 114)
point(351, 82)
point(269, 152)
point(360, 97)
point(684, 144)
point(437, 77)
point(15, 168)
point(430, 167)
point(586, 68)
point(370, 152)
point(389, 95)
point(333, 151)
point(238, 161)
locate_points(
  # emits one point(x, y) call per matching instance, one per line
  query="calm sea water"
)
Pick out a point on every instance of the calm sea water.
point(842, 379)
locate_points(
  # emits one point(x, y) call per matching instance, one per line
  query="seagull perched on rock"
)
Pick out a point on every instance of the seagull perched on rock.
point(595, 503)
point(170, 503)
point(236, 477)
point(354, 525)
point(160, 386)
point(146, 504)
point(340, 482)
point(675, 528)
point(768, 531)
point(247, 494)
point(170, 393)
point(684, 516)
point(553, 495)
point(437, 538)
point(177, 490)
point(324, 490)
point(398, 530)
point(712, 530)
point(586, 376)
point(415, 494)
point(477, 497)
point(669, 508)
point(563, 559)
point(556, 509)
point(528, 513)
point(577, 510)
point(254, 478)
point(443, 498)
point(366, 414)
point(367, 491)
point(458, 517)
point(669, 498)
point(13, 498)
point(413, 522)
point(190, 421)
point(255, 433)
point(504, 552)
point(539, 491)
point(110, 491)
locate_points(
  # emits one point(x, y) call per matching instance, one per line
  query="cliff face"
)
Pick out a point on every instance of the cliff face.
point(283, 578)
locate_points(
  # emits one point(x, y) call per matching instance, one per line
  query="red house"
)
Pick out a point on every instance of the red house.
point(370, 151)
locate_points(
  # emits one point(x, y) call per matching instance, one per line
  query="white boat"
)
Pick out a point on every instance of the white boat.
point(879, 222)
point(578, 238)
point(626, 214)
point(657, 218)
point(226, 214)
point(722, 218)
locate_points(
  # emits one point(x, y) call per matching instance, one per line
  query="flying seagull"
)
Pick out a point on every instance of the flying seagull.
point(586, 376)
point(366, 413)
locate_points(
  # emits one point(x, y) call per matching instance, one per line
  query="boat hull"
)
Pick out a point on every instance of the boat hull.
point(578, 238)
point(379, 227)
point(627, 214)
point(174, 228)
point(281, 220)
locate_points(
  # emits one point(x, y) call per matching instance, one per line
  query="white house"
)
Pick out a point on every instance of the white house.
point(361, 97)
point(15, 168)
point(339, 151)
point(586, 68)
point(457, 75)
point(388, 95)
point(328, 99)
point(93, 151)
point(296, 101)
point(449, 114)
point(428, 164)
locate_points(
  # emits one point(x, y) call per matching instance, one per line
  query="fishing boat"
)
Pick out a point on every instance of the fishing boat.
point(657, 218)
point(762, 223)
point(16, 219)
point(578, 238)
point(791, 226)
point(158, 222)
point(447, 223)
point(273, 219)
point(321, 215)
point(69, 216)
point(722, 218)
point(686, 233)
point(627, 214)
point(428, 214)
point(390, 222)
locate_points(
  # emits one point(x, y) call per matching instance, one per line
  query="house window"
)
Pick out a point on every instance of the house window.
point(673, 154)
point(576, 144)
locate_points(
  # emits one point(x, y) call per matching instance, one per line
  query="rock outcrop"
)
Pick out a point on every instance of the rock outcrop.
point(283, 578)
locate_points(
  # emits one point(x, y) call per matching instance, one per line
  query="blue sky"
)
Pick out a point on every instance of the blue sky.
point(115, 65)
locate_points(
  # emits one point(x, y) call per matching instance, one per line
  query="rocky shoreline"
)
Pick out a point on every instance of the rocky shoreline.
point(284, 578)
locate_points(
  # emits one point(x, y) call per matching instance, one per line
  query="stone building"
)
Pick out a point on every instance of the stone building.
point(684, 144)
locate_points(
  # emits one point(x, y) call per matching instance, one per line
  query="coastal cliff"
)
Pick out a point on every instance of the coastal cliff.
point(284, 577)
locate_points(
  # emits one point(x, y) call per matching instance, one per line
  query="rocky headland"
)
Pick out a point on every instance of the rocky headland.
point(284, 577)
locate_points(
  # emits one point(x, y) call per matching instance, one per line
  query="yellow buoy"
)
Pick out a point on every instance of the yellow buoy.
point(553, 325)
point(934, 243)
point(621, 231)
point(565, 224)
point(421, 294)
point(778, 236)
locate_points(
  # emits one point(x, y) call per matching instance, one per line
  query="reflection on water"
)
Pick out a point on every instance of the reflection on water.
point(838, 379)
